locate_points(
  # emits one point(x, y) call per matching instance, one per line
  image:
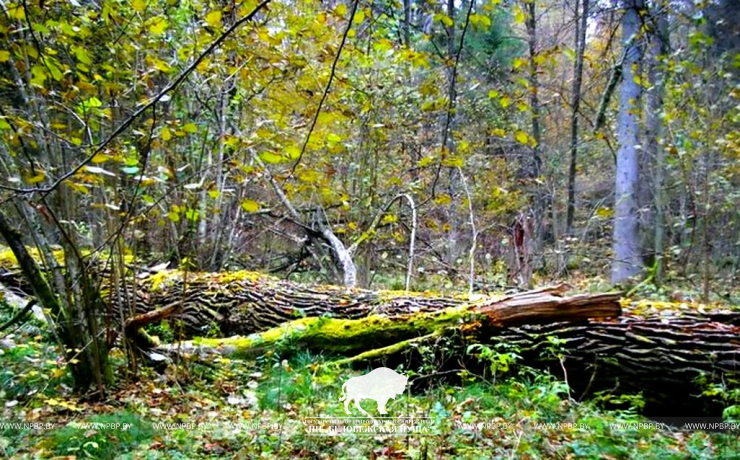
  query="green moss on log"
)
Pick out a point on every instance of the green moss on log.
point(341, 336)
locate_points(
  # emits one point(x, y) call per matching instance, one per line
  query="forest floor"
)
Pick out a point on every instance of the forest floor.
point(228, 408)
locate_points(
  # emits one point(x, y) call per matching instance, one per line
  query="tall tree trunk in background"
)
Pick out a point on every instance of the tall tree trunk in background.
point(653, 127)
point(580, 42)
point(449, 137)
point(627, 261)
point(534, 102)
point(539, 202)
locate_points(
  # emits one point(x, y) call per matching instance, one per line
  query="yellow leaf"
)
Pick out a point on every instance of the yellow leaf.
point(158, 26)
point(519, 15)
point(190, 128)
point(250, 205)
point(293, 152)
point(521, 137)
point(36, 179)
point(166, 134)
point(214, 194)
point(389, 219)
point(444, 19)
point(160, 65)
point(213, 19)
point(308, 176)
point(174, 217)
point(443, 200)
point(100, 158)
point(505, 101)
point(4, 56)
point(453, 162)
point(139, 5)
point(271, 157)
point(78, 187)
point(359, 17)
point(18, 12)
point(605, 212)
point(341, 9)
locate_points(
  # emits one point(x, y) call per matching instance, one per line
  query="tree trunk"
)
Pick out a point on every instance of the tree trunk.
point(580, 34)
point(653, 130)
point(75, 322)
point(627, 261)
point(541, 199)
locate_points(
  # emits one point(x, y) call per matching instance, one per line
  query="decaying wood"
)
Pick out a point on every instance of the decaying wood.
point(349, 336)
point(657, 350)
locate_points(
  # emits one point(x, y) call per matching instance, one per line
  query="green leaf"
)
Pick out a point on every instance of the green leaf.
point(250, 205)
point(4, 55)
point(192, 215)
point(56, 74)
point(82, 55)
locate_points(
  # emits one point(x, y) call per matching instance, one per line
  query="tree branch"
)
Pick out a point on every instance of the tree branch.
point(169, 88)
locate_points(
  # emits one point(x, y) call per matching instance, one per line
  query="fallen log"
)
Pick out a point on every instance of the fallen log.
point(657, 349)
point(341, 335)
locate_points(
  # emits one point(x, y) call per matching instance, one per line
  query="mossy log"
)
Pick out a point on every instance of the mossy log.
point(346, 336)
point(669, 360)
point(657, 349)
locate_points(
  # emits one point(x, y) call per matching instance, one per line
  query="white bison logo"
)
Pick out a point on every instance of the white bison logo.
point(380, 384)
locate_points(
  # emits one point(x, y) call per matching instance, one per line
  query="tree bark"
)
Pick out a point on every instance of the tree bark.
point(580, 34)
point(627, 260)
